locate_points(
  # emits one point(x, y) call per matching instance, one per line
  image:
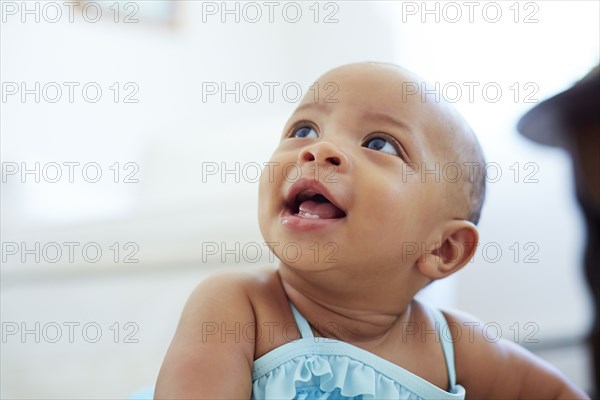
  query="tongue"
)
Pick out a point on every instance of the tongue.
point(314, 209)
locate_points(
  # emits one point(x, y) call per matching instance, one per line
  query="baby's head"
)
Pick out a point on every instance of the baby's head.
point(371, 182)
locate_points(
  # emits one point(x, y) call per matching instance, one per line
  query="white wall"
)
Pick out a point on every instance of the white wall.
point(536, 208)
point(171, 132)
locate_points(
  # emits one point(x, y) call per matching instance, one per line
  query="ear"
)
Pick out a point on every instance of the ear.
point(452, 251)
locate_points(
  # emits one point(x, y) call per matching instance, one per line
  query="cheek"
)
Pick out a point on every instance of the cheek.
point(270, 194)
point(400, 209)
point(266, 189)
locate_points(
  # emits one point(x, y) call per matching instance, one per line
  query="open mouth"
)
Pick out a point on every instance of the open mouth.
point(311, 204)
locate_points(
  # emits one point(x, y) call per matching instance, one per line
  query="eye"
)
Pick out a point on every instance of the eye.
point(304, 131)
point(383, 144)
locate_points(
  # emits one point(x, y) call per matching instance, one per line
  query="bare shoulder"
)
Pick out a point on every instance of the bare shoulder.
point(490, 367)
point(229, 286)
point(224, 297)
point(212, 352)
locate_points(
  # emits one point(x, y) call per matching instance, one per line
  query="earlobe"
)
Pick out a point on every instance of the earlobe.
point(456, 247)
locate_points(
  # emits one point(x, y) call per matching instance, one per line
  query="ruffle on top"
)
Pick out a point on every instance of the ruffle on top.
point(324, 369)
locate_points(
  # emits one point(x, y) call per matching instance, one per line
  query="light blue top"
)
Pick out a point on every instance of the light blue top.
point(324, 368)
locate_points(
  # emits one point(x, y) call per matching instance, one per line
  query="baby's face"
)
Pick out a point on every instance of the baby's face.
point(344, 189)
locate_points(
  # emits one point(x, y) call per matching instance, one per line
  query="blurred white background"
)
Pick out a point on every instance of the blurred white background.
point(153, 62)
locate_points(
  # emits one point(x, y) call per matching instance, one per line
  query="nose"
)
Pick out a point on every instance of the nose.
point(326, 154)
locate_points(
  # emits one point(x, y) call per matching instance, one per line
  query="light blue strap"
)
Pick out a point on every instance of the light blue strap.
point(445, 334)
point(302, 323)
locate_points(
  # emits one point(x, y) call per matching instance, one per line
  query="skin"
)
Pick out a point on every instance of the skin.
point(359, 286)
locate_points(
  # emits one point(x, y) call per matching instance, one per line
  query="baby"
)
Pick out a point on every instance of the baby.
point(360, 223)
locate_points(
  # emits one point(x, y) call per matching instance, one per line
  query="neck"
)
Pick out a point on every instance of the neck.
point(345, 311)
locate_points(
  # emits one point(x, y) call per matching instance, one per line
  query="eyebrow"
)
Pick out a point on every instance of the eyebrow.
point(318, 105)
point(372, 115)
point(387, 118)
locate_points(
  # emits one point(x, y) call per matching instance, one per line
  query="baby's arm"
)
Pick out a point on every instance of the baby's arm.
point(504, 369)
point(201, 362)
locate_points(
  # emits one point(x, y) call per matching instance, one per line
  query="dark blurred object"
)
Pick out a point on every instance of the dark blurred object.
point(571, 120)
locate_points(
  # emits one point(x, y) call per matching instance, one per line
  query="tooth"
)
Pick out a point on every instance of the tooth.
point(308, 215)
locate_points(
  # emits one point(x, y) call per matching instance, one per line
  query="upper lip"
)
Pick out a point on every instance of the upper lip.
point(310, 185)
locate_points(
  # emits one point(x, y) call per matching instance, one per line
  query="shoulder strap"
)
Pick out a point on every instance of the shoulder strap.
point(302, 323)
point(445, 334)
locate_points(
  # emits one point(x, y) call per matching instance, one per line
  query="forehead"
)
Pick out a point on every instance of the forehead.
point(373, 90)
point(364, 86)
point(379, 94)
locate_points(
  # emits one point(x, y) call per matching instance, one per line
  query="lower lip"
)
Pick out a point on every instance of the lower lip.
point(297, 223)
